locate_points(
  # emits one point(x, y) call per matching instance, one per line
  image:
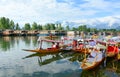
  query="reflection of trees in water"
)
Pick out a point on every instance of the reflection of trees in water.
point(26, 39)
point(5, 43)
point(12, 42)
point(29, 40)
point(8, 42)
point(34, 40)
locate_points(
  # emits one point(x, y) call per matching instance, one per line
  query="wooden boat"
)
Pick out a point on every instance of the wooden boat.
point(48, 50)
point(89, 66)
point(112, 50)
point(93, 61)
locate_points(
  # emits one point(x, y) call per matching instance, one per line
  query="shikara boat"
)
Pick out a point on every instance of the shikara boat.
point(48, 50)
point(93, 61)
point(89, 66)
point(112, 49)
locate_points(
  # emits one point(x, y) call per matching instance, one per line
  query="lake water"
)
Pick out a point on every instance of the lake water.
point(14, 62)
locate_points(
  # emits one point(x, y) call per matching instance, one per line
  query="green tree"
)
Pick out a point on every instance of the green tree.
point(52, 26)
point(67, 28)
point(17, 27)
point(74, 29)
point(27, 26)
point(60, 27)
point(34, 26)
point(3, 23)
point(40, 27)
point(12, 25)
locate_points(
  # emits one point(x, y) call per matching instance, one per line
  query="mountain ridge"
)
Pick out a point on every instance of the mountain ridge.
point(110, 22)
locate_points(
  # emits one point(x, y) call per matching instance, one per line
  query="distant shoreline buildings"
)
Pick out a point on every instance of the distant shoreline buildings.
point(54, 32)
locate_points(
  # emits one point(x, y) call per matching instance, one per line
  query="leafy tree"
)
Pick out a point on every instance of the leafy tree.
point(34, 26)
point(52, 26)
point(60, 27)
point(27, 26)
point(74, 29)
point(3, 23)
point(12, 25)
point(40, 27)
point(67, 28)
point(17, 27)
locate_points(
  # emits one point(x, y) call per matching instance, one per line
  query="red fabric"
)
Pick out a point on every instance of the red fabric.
point(81, 45)
point(74, 43)
point(50, 48)
point(112, 49)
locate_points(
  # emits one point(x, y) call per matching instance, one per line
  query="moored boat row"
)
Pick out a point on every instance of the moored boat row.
point(99, 50)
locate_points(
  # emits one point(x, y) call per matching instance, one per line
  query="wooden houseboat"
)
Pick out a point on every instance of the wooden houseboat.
point(8, 32)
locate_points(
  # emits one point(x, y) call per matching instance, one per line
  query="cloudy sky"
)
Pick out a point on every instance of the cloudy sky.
point(44, 11)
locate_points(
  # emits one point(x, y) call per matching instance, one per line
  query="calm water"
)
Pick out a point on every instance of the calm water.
point(14, 62)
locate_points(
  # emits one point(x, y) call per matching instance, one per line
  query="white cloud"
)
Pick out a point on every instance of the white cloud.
point(43, 11)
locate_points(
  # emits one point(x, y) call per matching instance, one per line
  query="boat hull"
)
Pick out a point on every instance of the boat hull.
point(50, 50)
point(82, 50)
point(88, 66)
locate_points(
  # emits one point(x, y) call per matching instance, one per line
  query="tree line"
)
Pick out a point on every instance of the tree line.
point(6, 23)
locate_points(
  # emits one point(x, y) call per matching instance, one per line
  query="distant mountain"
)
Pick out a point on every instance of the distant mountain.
point(100, 23)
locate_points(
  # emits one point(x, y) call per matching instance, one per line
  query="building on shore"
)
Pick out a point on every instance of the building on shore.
point(8, 32)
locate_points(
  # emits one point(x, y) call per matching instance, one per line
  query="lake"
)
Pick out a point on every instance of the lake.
point(14, 62)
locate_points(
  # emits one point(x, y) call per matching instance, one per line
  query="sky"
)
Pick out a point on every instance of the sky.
point(50, 11)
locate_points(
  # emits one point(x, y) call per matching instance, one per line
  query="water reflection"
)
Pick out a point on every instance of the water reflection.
point(5, 43)
point(8, 42)
point(18, 63)
point(54, 57)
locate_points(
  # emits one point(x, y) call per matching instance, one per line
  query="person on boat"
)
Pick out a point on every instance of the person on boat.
point(53, 45)
point(57, 46)
point(80, 46)
point(74, 44)
point(79, 43)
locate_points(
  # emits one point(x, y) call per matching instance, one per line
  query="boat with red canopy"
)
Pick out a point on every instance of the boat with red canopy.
point(47, 50)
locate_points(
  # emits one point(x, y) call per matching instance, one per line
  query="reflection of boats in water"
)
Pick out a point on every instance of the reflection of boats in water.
point(54, 57)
